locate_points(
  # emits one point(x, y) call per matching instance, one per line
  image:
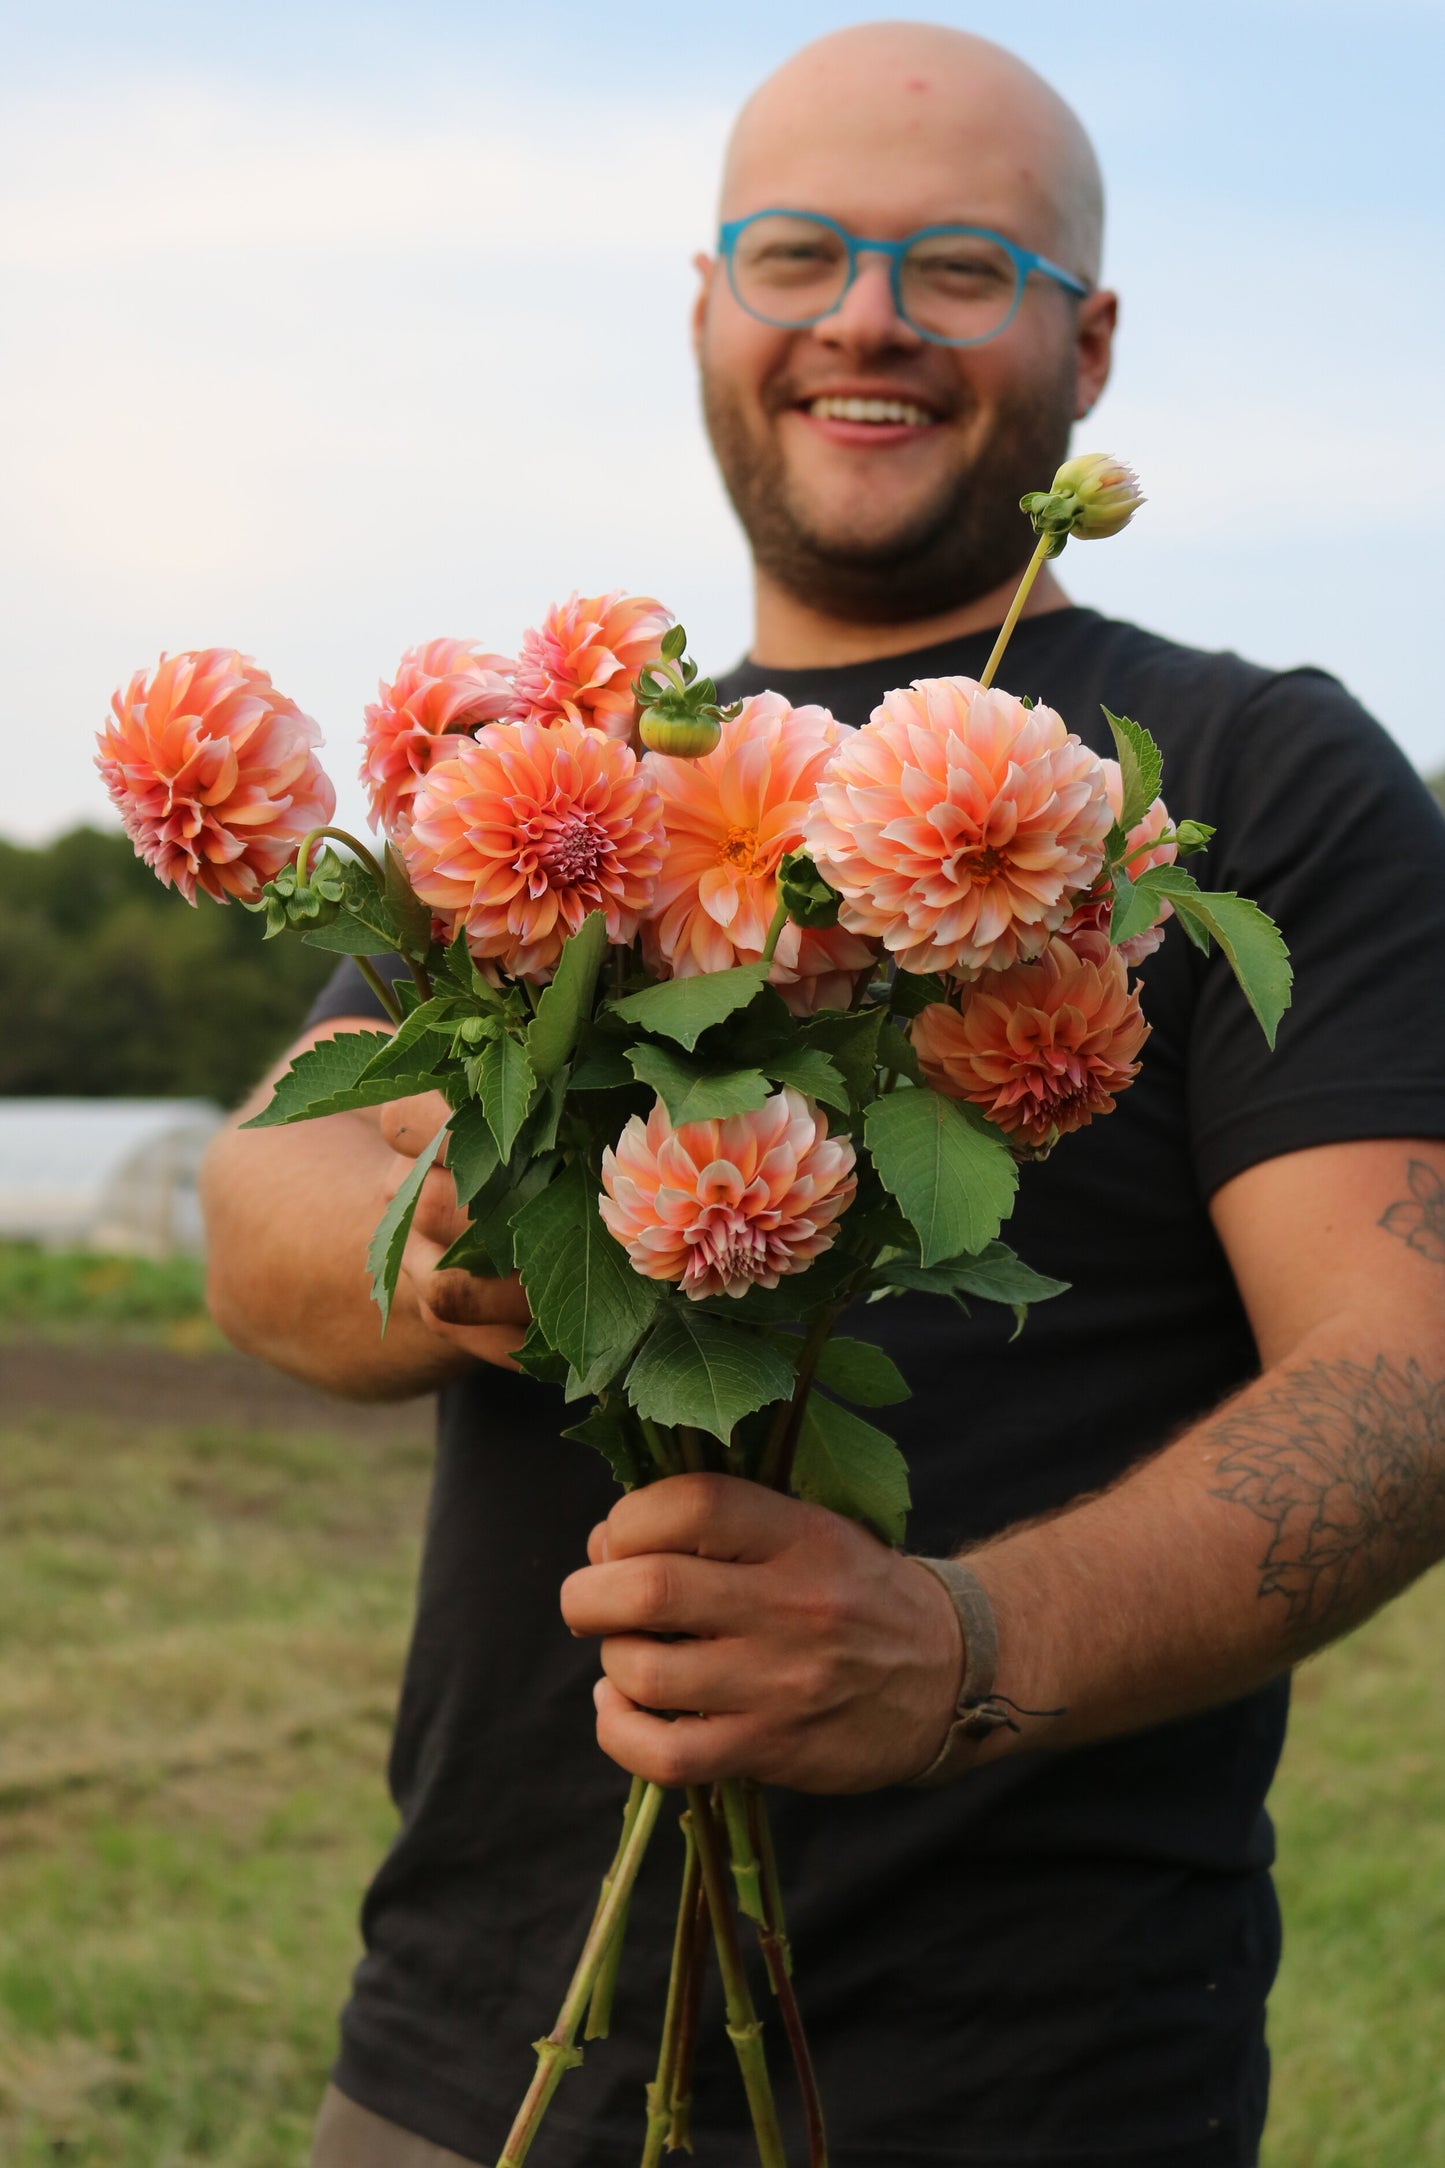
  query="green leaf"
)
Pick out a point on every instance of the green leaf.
point(683, 1009)
point(403, 1053)
point(471, 1150)
point(810, 1071)
point(507, 1088)
point(326, 1080)
point(567, 1003)
point(1137, 904)
point(366, 924)
point(412, 916)
point(486, 1246)
point(862, 1372)
point(703, 1370)
point(691, 1090)
point(811, 900)
point(996, 1274)
point(602, 1065)
point(608, 1435)
point(851, 1044)
point(895, 1051)
point(1141, 764)
point(540, 1360)
point(383, 1257)
point(953, 1176)
point(583, 1291)
point(674, 640)
point(1248, 936)
point(845, 1464)
point(914, 991)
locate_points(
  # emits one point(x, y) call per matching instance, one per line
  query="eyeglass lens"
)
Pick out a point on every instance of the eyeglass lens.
point(792, 271)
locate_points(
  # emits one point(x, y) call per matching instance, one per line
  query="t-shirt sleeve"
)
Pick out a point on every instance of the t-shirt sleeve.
point(1325, 824)
point(346, 992)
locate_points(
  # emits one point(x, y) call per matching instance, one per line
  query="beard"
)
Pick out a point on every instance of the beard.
point(966, 538)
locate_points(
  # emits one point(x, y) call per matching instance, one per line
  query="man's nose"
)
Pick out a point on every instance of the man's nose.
point(867, 320)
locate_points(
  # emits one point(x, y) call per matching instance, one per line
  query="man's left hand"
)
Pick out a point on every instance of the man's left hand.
point(812, 1656)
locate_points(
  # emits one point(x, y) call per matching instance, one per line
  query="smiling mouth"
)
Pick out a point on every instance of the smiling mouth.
point(893, 413)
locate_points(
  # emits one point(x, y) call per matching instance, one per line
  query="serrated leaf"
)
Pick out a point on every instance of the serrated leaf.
point(1141, 766)
point(996, 1274)
point(471, 1150)
point(383, 1256)
point(486, 1246)
point(845, 1464)
point(1137, 904)
point(1250, 939)
point(404, 1051)
point(895, 1051)
point(507, 1087)
point(700, 1369)
point(326, 1080)
point(862, 1372)
point(914, 991)
point(683, 1009)
point(412, 916)
point(602, 1066)
point(691, 1090)
point(810, 1071)
point(608, 1435)
point(539, 1359)
point(348, 935)
point(953, 1177)
point(851, 1044)
point(583, 1291)
point(566, 1004)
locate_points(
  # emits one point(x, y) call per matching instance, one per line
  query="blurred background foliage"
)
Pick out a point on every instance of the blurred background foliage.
point(111, 985)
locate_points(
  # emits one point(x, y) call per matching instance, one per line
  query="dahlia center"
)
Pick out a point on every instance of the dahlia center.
point(574, 851)
point(739, 849)
point(735, 1250)
point(983, 862)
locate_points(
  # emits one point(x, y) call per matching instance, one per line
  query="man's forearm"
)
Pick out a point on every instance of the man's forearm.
point(1261, 1534)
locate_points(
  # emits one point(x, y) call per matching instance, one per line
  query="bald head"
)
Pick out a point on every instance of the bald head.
point(935, 125)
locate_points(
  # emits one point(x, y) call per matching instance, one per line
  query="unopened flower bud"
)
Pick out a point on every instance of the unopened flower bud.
point(685, 736)
point(1105, 492)
point(811, 900)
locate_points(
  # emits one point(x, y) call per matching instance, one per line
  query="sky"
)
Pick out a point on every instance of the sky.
point(331, 328)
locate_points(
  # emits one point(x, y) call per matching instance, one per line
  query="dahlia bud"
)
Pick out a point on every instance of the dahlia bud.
point(1092, 497)
point(316, 901)
point(686, 736)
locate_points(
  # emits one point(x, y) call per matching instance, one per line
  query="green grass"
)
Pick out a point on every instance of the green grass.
point(60, 1292)
point(200, 1635)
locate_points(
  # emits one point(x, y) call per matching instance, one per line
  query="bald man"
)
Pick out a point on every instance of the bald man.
point(1224, 1448)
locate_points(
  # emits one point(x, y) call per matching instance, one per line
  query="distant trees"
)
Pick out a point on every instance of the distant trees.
point(113, 985)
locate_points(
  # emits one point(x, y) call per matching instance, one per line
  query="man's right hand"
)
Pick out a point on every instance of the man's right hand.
point(487, 1319)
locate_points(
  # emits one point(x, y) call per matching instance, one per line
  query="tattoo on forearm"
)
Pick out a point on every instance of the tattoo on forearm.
point(1419, 1219)
point(1345, 1463)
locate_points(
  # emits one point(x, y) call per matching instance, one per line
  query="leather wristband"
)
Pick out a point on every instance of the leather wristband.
point(977, 1713)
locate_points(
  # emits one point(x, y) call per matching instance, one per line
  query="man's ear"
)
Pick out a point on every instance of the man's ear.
point(1098, 319)
point(704, 265)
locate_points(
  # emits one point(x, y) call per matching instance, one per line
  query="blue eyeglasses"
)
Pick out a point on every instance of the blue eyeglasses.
point(956, 285)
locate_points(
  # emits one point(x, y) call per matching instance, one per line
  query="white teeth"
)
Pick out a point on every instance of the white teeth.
point(870, 410)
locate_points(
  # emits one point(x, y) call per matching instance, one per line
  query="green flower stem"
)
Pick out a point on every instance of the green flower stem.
point(775, 929)
point(776, 1465)
point(599, 2014)
point(778, 1957)
point(337, 835)
point(747, 1870)
point(657, 1446)
point(558, 2052)
point(1043, 550)
point(379, 987)
point(679, 2129)
point(744, 2028)
point(694, 1454)
point(660, 2102)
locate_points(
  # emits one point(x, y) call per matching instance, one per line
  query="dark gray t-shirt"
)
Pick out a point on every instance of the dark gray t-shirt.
point(1059, 1962)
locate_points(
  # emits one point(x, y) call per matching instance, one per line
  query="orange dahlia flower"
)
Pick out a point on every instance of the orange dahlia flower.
point(440, 688)
point(519, 833)
point(1040, 1048)
point(723, 1206)
point(581, 660)
point(730, 818)
point(215, 773)
point(960, 826)
point(1088, 929)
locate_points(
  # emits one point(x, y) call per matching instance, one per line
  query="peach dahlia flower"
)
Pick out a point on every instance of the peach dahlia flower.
point(581, 660)
point(214, 771)
point(960, 826)
point(730, 817)
point(519, 833)
point(723, 1206)
point(1088, 929)
point(442, 687)
point(1040, 1048)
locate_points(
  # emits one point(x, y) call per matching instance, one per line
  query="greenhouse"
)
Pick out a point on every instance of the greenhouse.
point(104, 1174)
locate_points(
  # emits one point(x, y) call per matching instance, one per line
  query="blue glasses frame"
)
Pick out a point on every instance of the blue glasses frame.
point(1025, 262)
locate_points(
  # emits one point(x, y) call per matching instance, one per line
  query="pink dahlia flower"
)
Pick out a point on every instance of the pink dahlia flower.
point(1040, 1048)
point(730, 817)
point(519, 833)
point(1088, 929)
point(441, 688)
point(960, 826)
point(720, 1207)
point(581, 660)
point(215, 773)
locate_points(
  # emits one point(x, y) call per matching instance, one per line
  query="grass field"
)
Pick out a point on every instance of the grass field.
point(201, 1624)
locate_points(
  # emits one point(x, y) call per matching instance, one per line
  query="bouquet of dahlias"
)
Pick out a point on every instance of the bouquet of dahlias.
point(742, 1016)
